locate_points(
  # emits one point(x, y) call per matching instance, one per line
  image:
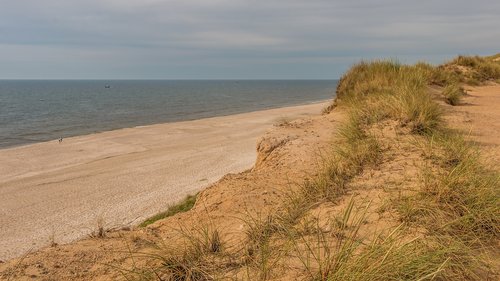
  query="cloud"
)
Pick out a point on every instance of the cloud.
point(233, 38)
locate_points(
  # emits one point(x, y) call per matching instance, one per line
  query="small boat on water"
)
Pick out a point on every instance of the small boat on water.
point(107, 86)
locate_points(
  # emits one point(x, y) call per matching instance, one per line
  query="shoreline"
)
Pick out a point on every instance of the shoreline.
point(60, 192)
point(169, 122)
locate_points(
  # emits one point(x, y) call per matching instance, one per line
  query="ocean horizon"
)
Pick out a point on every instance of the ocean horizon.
point(41, 110)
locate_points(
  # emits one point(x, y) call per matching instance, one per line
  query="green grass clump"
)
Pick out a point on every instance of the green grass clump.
point(460, 197)
point(183, 206)
point(453, 93)
point(386, 89)
point(413, 105)
point(367, 78)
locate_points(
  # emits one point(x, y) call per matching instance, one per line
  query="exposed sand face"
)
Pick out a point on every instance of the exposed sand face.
point(52, 191)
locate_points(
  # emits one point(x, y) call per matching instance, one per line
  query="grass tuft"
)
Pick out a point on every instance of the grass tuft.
point(183, 206)
point(416, 109)
point(100, 230)
point(200, 254)
point(453, 93)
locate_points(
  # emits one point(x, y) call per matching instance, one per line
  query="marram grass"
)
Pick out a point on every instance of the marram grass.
point(456, 206)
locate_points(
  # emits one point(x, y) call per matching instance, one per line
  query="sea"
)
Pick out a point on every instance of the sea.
point(41, 110)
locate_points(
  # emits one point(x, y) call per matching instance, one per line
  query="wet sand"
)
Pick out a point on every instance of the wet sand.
point(61, 191)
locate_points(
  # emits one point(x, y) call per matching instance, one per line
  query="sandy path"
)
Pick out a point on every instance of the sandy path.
point(479, 116)
point(61, 190)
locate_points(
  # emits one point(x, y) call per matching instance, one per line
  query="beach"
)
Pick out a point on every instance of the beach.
point(57, 192)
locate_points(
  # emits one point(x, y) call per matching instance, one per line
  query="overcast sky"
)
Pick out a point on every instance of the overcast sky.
point(234, 39)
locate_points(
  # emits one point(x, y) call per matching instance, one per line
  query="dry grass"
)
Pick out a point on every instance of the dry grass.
point(382, 90)
point(264, 250)
point(100, 229)
point(453, 93)
point(459, 196)
point(282, 122)
point(456, 205)
point(328, 109)
point(201, 259)
point(342, 253)
point(200, 254)
point(442, 76)
point(473, 70)
point(482, 68)
point(459, 199)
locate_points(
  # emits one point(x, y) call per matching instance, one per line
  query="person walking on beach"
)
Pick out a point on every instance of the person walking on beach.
point(60, 140)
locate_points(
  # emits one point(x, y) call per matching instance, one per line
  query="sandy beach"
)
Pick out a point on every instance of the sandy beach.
point(59, 192)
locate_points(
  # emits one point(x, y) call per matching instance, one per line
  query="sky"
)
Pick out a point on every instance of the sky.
point(234, 39)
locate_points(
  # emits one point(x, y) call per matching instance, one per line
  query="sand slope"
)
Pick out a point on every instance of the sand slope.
point(51, 191)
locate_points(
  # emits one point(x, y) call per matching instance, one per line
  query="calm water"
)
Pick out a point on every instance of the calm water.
point(35, 111)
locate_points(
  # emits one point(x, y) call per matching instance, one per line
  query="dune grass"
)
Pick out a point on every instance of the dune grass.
point(458, 203)
point(455, 207)
point(343, 254)
point(453, 93)
point(385, 89)
point(472, 70)
point(203, 257)
point(460, 196)
point(183, 206)
point(443, 77)
point(483, 68)
point(199, 253)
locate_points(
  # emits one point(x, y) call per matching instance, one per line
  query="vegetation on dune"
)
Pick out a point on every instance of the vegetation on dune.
point(460, 196)
point(455, 207)
point(482, 69)
point(387, 89)
point(458, 202)
point(472, 70)
point(183, 206)
point(495, 57)
point(453, 93)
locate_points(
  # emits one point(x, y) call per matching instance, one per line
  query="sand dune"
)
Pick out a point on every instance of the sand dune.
point(60, 191)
